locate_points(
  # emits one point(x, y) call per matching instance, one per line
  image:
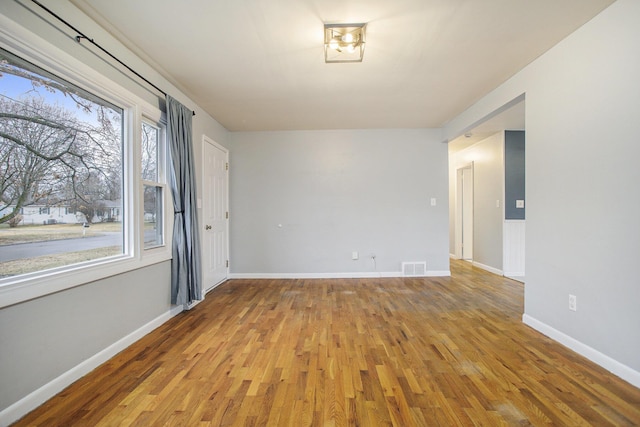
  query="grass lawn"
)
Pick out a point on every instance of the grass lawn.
point(41, 233)
point(45, 262)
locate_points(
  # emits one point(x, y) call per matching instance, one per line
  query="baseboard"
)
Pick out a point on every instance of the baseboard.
point(621, 370)
point(488, 268)
point(47, 391)
point(513, 274)
point(436, 273)
point(354, 275)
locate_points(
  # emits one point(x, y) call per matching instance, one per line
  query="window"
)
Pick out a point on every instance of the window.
point(81, 132)
point(60, 145)
point(152, 171)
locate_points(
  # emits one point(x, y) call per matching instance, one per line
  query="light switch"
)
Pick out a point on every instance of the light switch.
point(433, 201)
point(520, 204)
point(354, 255)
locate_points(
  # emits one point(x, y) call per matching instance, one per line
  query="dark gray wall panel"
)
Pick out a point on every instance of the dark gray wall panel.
point(514, 186)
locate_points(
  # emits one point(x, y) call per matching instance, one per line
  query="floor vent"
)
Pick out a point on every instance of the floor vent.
point(414, 269)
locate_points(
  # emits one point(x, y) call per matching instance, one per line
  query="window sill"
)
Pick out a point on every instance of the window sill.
point(14, 290)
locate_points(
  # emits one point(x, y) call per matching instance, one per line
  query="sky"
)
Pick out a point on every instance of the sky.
point(17, 88)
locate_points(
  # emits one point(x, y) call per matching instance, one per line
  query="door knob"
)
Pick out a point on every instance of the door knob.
point(207, 227)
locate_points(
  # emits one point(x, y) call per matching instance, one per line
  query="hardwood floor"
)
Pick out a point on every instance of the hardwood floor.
point(403, 352)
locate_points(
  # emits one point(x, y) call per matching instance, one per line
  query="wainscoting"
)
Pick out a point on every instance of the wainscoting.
point(513, 249)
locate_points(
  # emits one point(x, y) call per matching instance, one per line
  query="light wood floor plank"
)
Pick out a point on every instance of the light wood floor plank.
point(348, 352)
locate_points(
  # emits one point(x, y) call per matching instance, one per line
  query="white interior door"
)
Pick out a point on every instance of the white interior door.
point(464, 208)
point(215, 213)
point(467, 213)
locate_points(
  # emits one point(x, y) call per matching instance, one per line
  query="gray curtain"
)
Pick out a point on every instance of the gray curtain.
point(186, 273)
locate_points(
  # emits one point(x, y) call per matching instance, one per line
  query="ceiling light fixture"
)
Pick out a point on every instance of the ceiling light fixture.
point(344, 42)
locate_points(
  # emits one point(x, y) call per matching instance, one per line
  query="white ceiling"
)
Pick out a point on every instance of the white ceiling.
point(259, 64)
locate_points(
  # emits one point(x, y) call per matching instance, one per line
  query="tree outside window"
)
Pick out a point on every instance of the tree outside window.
point(60, 150)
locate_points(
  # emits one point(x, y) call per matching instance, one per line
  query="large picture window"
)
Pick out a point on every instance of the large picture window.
point(61, 172)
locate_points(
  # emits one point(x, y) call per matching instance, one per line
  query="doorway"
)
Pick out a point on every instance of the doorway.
point(215, 213)
point(464, 186)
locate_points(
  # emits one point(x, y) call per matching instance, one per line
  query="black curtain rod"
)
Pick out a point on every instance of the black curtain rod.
point(81, 36)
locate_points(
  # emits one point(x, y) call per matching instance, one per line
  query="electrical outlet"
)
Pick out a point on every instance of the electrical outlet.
point(573, 303)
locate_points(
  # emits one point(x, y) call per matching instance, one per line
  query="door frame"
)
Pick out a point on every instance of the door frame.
point(207, 140)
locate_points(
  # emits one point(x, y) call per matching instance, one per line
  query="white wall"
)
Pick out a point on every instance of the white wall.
point(488, 188)
point(47, 342)
point(583, 233)
point(335, 192)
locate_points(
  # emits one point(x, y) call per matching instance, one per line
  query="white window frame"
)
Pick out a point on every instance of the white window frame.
point(40, 52)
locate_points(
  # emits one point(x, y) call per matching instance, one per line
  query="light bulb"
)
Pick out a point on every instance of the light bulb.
point(350, 48)
point(347, 38)
point(333, 44)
